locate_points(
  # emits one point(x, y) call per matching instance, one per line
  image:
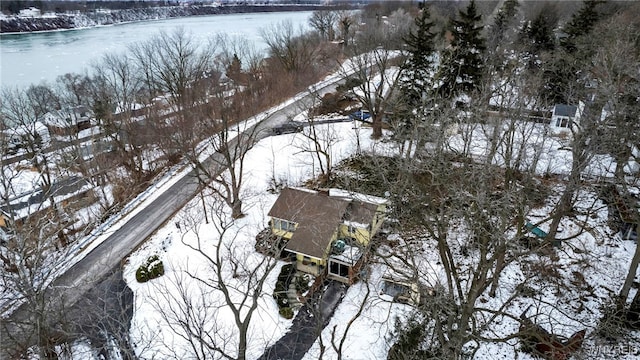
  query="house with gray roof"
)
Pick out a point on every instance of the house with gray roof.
point(327, 231)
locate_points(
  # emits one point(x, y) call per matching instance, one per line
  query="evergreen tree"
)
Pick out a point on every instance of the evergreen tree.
point(537, 35)
point(564, 72)
point(503, 23)
point(582, 23)
point(462, 64)
point(418, 66)
point(234, 69)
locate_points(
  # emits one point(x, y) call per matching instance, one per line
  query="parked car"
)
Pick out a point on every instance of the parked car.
point(360, 115)
point(288, 128)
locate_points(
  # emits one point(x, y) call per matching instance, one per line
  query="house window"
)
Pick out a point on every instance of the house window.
point(307, 261)
point(288, 226)
point(284, 225)
point(562, 122)
point(396, 290)
point(339, 269)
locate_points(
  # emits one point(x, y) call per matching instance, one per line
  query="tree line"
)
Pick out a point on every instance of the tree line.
point(429, 74)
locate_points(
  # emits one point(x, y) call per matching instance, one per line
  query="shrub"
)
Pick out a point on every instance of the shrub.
point(151, 269)
point(280, 290)
point(302, 283)
point(286, 313)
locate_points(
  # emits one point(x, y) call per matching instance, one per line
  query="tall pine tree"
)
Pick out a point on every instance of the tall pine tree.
point(581, 24)
point(462, 66)
point(537, 35)
point(503, 23)
point(418, 66)
point(563, 81)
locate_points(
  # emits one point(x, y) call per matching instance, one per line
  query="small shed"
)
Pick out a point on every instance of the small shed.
point(566, 118)
point(401, 289)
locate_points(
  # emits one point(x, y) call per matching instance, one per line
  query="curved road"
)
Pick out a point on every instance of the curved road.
point(68, 288)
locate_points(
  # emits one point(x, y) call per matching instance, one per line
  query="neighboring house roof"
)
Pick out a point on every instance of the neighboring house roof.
point(318, 215)
point(28, 203)
point(67, 117)
point(564, 110)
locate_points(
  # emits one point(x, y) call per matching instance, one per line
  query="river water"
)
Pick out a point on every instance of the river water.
point(32, 58)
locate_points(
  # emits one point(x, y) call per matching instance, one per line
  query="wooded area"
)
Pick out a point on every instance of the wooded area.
point(434, 78)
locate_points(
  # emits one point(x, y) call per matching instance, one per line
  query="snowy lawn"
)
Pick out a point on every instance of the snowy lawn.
point(287, 160)
point(589, 268)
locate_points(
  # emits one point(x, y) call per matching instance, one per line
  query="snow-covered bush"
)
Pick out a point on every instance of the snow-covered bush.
point(151, 269)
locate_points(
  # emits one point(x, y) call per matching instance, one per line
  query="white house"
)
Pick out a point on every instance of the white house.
point(566, 118)
point(30, 12)
point(24, 136)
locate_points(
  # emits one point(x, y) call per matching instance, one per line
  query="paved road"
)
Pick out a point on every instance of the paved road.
point(67, 289)
point(65, 186)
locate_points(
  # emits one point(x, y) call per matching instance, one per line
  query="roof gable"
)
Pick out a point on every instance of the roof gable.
point(318, 215)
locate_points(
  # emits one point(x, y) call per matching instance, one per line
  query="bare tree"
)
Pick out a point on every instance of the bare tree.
point(321, 140)
point(116, 88)
point(175, 63)
point(614, 66)
point(582, 153)
point(231, 279)
point(324, 21)
point(219, 158)
point(377, 75)
point(31, 252)
point(346, 20)
point(290, 47)
point(21, 110)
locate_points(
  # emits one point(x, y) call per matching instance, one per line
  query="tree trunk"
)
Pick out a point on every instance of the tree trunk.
point(633, 315)
point(236, 209)
point(631, 275)
point(496, 273)
point(561, 210)
point(376, 124)
point(204, 208)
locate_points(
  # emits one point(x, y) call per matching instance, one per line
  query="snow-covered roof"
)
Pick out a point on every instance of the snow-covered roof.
point(30, 12)
point(34, 127)
point(131, 107)
point(319, 214)
point(340, 193)
point(67, 117)
point(350, 255)
point(356, 224)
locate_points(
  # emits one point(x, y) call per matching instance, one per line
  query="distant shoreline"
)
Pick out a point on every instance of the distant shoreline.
point(26, 25)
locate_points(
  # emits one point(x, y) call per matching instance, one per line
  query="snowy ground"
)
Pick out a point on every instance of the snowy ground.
point(283, 158)
point(591, 267)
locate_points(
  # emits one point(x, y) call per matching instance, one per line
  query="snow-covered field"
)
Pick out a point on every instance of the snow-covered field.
point(591, 267)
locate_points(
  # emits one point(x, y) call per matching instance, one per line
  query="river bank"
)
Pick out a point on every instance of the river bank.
point(48, 22)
